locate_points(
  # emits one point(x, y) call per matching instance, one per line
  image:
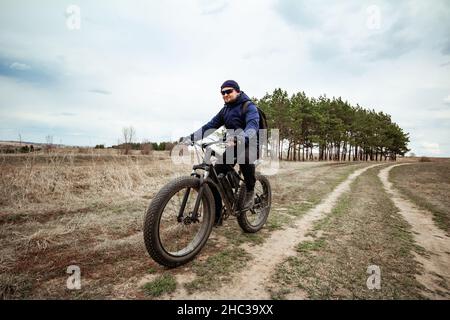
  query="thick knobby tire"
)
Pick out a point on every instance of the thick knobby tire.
point(242, 218)
point(155, 210)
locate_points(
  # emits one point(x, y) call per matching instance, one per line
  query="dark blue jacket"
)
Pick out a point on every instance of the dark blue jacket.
point(231, 116)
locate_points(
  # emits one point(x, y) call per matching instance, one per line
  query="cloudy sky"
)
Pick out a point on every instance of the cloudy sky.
point(158, 65)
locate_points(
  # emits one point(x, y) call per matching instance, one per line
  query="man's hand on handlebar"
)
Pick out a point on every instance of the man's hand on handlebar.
point(231, 142)
point(186, 140)
point(234, 140)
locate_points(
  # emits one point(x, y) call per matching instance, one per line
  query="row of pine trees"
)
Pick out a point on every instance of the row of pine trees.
point(332, 128)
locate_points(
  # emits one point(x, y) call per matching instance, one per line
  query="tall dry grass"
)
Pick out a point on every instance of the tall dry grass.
point(64, 178)
point(62, 207)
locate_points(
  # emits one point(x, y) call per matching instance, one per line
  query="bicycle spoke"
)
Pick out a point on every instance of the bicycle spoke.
point(256, 214)
point(178, 238)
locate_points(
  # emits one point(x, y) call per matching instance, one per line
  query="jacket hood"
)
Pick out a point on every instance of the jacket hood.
point(239, 100)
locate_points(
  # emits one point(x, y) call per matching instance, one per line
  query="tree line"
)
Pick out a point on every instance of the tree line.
point(161, 146)
point(18, 149)
point(127, 143)
point(332, 128)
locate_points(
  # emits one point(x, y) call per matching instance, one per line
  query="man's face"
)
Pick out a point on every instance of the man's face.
point(229, 94)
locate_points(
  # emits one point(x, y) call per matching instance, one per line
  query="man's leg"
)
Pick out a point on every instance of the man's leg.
point(248, 171)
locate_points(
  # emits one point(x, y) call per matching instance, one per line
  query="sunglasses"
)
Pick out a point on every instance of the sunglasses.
point(224, 92)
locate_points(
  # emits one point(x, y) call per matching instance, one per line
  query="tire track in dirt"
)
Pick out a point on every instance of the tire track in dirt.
point(436, 276)
point(251, 283)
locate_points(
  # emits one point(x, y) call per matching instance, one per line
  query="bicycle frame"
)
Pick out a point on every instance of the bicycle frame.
point(208, 177)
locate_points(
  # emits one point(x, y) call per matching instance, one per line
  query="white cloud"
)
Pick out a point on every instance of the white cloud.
point(19, 66)
point(158, 65)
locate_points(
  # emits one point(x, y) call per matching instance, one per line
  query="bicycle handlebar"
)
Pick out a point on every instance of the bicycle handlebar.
point(203, 145)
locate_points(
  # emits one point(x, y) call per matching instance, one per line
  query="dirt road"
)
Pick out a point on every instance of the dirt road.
point(251, 282)
point(436, 276)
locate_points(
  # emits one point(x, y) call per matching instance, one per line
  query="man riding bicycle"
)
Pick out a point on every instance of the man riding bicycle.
point(245, 124)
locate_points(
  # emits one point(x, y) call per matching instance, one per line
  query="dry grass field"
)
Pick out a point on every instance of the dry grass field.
point(428, 185)
point(328, 223)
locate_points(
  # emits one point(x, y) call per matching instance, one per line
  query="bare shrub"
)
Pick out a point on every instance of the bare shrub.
point(146, 148)
point(169, 146)
point(424, 159)
point(128, 134)
point(49, 144)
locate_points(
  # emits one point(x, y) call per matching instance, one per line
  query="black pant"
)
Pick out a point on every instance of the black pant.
point(248, 171)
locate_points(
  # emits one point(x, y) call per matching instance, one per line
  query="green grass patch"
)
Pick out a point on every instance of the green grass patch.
point(308, 246)
point(217, 269)
point(236, 236)
point(279, 295)
point(277, 220)
point(165, 283)
point(286, 276)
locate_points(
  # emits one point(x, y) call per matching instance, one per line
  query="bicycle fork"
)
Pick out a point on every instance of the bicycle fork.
point(194, 215)
point(229, 203)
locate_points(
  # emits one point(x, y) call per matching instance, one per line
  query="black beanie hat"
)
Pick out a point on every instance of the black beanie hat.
point(231, 84)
